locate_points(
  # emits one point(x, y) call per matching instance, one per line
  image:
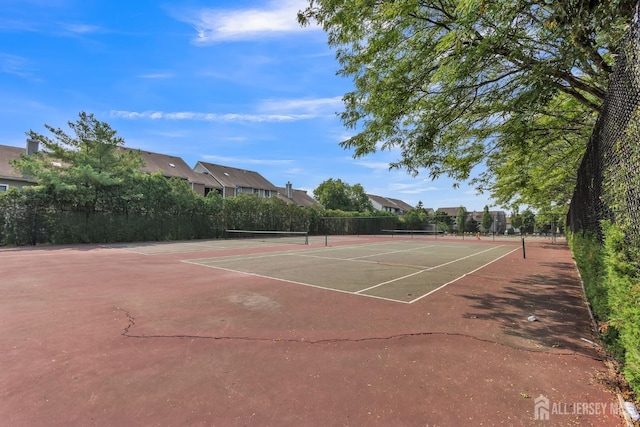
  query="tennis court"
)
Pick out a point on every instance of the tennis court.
point(399, 270)
point(273, 331)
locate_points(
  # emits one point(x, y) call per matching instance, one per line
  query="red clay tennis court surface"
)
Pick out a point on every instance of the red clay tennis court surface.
point(364, 331)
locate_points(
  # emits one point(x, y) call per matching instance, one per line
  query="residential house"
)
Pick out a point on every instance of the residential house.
point(169, 166)
point(499, 224)
point(299, 197)
point(387, 204)
point(9, 177)
point(234, 181)
point(175, 167)
point(452, 212)
point(509, 228)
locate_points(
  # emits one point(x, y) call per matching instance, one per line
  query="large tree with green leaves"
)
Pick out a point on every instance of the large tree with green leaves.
point(86, 170)
point(461, 219)
point(487, 219)
point(416, 219)
point(456, 83)
point(528, 221)
point(336, 194)
point(443, 221)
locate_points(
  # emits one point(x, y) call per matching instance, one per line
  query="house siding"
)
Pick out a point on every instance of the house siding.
point(7, 183)
point(387, 204)
point(9, 177)
point(234, 181)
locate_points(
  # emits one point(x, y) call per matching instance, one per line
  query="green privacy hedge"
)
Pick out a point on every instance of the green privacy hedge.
point(160, 209)
point(36, 216)
point(611, 275)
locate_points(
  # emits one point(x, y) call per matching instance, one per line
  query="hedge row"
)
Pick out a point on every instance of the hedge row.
point(35, 215)
point(611, 275)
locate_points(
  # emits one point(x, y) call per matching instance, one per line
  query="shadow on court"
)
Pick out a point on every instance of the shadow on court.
point(554, 298)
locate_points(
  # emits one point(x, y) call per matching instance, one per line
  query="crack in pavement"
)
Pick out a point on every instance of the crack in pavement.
point(126, 333)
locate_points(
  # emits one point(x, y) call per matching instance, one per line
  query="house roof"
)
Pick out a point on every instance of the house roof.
point(391, 203)
point(172, 167)
point(299, 197)
point(477, 215)
point(403, 205)
point(450, 211)
point(6, 170)
point(235, 178)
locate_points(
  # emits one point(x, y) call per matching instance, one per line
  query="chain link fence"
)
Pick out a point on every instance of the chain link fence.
point(608, 185)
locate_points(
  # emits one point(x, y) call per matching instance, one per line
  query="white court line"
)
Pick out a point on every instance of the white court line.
point(430, 268)
point(388, 253)
point(293, 282)
point(296, 252)
point(358, 260)
point(168, 252)
point(391, 281)
point(466, 274)
point(242, 258)
point(358, 245)
point(167, 248)
point(333, 258)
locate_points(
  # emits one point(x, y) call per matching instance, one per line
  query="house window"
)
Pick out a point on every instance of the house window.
point(3, 187)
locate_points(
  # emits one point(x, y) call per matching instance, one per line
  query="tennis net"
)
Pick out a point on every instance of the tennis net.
point(300, 237)
point(411, 233)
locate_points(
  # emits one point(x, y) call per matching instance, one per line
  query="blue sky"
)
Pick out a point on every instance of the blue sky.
point(233, 82)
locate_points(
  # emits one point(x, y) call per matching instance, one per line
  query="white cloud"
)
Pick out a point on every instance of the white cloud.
point(243, 160)
point(275, 18)
point(157, 76)
point(412, 187)
point(173, 134)
point(314, 106)
point(17, 25)
point(379, 166)
point(15, 65)
point(81, 28)
point(271, 110)
point(236, 138)
point(209, 117)
point(296, 171)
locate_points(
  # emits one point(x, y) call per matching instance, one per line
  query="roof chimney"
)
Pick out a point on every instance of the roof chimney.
point(289, 191)
point(32, 146)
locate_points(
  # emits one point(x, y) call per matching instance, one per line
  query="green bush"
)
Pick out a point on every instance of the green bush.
point(623, 283)
point(154, 208)
point(587, 252)
point(611, 275)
